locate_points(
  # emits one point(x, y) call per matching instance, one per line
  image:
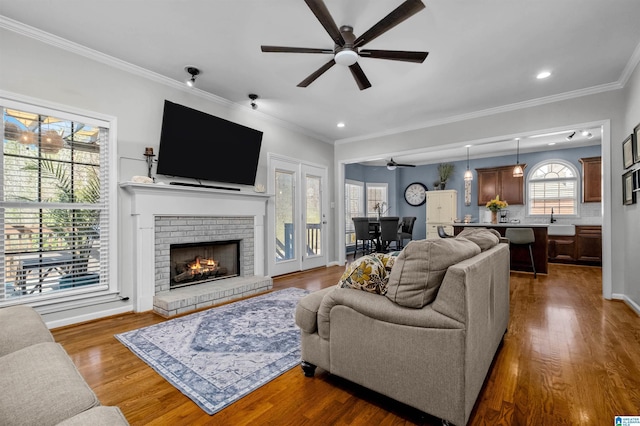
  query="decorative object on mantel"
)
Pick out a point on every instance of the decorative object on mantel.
point(217, 356)
point(259, 188)
point(141, 179)
point(445, 170)
point(495, 205)
point(148, 152)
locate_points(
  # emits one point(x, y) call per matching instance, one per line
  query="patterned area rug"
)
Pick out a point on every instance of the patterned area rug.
point(217, 356)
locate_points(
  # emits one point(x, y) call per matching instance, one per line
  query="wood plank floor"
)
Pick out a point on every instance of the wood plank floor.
point(569, 358)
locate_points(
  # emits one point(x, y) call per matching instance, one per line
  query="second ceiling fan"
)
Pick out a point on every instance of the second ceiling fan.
point(347, 47)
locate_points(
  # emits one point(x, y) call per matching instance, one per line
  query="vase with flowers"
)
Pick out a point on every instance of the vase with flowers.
point(495, 205)
point(380, 209)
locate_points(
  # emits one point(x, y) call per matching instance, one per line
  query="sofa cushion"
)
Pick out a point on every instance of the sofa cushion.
point(41, 386)
point(97, 416)
point(420, 268)
point(369, 273)
point(483, 237)
point(21, 326)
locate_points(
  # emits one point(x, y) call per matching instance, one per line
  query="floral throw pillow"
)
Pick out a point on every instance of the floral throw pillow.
point(368, 273)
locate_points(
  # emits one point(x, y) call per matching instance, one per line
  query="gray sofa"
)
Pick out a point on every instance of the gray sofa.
point(40, 384)
point(430, 339)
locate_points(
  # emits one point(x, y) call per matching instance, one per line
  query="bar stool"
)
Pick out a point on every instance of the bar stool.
point(523, 236)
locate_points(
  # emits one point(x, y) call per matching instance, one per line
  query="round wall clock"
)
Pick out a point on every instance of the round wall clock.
point(415, 194)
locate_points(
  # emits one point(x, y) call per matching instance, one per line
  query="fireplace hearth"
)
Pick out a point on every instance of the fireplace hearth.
point(196, 263)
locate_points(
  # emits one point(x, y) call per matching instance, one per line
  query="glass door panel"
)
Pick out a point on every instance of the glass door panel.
point(314, 216)
point(285, 215)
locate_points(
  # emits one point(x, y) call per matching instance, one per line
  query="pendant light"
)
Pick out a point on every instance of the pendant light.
point(517, 170)
point(468, 176)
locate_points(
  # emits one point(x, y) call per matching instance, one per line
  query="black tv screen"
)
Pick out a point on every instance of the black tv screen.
point(197, 145)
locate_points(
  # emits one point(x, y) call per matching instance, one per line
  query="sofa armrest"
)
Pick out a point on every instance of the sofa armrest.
point(307, 310)
point(379, 308)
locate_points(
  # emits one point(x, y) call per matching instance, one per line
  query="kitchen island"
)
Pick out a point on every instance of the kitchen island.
point(520, 260)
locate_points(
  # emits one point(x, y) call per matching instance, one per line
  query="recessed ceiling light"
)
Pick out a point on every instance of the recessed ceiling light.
point(543, 74)
point(341, 124)
point(551, 143)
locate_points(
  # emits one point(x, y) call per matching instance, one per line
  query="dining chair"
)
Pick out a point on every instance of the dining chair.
point(406, 229)
point(363, 233)
point(389, 232)
point(523, 236)
point(442, 233)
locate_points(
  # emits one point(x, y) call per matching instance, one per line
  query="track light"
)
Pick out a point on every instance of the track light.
point(194, 72)
point(253, 98)
point(517, 170)
point(570, 136)
point(468, 176)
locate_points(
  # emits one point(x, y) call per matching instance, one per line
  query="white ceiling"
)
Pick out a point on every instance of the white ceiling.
point(483, 54)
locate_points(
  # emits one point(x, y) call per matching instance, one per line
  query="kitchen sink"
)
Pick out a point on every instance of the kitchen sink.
point(566, 230)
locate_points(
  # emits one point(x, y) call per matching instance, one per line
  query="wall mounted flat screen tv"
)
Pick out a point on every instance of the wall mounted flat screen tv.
point(197, 145)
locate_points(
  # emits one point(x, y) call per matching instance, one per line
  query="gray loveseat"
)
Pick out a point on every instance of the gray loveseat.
point(40, 384)
point(430, 339)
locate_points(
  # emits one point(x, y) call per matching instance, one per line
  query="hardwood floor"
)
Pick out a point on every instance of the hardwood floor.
point(569, 358)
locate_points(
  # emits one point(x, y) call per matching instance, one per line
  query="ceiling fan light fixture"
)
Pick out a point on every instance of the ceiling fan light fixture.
point(253, 97)
point(346, 57)
point(391, 167)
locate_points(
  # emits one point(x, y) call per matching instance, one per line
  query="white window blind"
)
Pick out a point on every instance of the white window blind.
point(377, 199)
point(54, 205)
point(553, 184)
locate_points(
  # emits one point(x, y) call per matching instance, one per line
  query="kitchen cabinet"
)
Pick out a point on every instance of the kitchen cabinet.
point(585, 247)
point(442, 208)
point(591, 179)
point(494, 181)
point(589, 244)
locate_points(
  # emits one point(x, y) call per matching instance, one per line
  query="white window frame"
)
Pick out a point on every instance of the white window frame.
point(349, 215)
point(385, 198)
point(108, 288)
point(577, 185)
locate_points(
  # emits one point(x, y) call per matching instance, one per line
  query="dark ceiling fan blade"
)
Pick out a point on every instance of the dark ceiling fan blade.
point(404, 11)
point(322, 13)
point(394, 55)
point(358, 74)
point(392, 163)
point(307, 81)
point(283, 49)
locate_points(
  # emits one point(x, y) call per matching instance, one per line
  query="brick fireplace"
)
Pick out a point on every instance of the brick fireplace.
point(165, 216)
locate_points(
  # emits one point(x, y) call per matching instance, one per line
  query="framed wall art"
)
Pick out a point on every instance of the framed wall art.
point(636, 143)
point(628, 184)
point(627, 152)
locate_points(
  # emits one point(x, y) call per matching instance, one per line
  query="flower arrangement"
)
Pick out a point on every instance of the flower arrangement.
point(496, 204)
point(380, 208)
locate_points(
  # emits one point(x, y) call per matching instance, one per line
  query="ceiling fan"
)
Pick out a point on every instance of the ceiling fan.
point(392, 165)
point(347, 47)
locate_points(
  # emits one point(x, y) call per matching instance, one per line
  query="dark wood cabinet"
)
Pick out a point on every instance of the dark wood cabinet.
point(585, 247)
point(589, 243)
point(591, 179)
point(500, 181)
point(562, 248)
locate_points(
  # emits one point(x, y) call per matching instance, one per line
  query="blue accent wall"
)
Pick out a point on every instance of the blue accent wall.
point(401, 177)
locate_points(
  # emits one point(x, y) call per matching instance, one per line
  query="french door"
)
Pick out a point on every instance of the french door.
point(298, 237)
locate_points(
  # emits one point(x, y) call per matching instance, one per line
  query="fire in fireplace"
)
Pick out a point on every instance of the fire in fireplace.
point(196, 263)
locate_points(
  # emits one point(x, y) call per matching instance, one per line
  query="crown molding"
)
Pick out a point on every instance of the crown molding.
point(630, 67)
point(487, 112)
point(78, 49)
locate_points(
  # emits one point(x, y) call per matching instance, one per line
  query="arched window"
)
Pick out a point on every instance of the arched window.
point(553, 184)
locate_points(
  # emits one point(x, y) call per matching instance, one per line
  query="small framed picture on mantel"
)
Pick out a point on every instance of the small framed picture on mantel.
point(627, 151)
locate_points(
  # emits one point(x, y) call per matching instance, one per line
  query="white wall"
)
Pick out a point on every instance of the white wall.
point(629, 247)
point(606, 107)
point(40, 70)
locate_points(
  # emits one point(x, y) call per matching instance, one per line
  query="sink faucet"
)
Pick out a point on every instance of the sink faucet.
point(552, 219)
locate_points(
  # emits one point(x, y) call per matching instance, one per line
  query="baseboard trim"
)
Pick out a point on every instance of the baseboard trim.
point(88, 317)
point(633, 305)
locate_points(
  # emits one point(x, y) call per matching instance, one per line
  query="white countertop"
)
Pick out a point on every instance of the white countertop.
point(505, 225)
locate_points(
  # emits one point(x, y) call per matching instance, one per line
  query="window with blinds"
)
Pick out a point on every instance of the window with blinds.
point(354, 205)
point(55, 220)
point(377, 200)
point(553, 185)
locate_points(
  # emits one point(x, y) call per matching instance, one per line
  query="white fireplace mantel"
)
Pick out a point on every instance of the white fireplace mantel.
point(151, 200)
